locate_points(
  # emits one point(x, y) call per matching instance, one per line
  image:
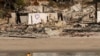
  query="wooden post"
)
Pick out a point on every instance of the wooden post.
point(95, 2)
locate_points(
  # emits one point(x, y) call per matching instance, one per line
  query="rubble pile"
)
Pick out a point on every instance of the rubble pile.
point(46, 31)
point(2, 21)
point(32, 31)
point(86, 15)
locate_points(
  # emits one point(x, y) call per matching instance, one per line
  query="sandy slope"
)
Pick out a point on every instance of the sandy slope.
point(50, 44)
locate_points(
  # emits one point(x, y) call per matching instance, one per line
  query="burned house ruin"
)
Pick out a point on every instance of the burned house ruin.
point(55, 17)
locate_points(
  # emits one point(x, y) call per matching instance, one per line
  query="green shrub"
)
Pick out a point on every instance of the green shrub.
point(2, 13)
point(19, 3)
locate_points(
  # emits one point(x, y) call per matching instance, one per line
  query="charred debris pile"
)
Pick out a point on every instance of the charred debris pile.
point(48, 30)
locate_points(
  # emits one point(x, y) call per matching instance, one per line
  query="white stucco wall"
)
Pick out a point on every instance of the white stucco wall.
point(35, 18)
point(98, 16)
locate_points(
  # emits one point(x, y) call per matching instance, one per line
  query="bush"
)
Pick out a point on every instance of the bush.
point(2, 13)
point(19, 3)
